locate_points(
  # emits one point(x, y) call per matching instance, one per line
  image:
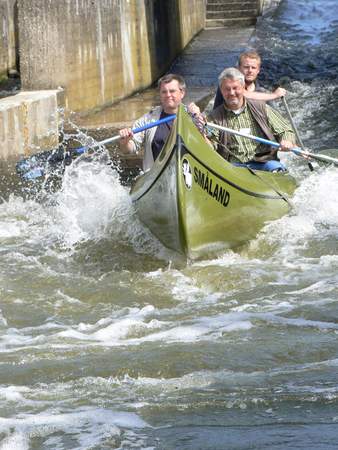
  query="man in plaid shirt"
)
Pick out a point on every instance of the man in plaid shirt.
point(250, 117)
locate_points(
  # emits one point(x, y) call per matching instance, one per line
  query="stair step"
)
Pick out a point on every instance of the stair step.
point(224, 13)
point(229, 14)
point(233, 6)
point(227, 2)
point(233, 22)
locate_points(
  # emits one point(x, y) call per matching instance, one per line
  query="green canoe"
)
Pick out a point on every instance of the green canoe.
point(196, 203)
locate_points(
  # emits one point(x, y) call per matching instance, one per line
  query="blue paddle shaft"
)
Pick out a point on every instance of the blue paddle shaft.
point(134, 130)
point(38, 169)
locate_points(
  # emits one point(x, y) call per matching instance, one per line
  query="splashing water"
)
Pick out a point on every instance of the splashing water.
point(106, 343)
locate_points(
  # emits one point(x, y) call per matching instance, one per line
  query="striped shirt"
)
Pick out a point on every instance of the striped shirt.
point(244, 121)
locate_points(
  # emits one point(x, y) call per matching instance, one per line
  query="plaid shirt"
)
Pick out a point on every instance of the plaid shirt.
point(244, 121)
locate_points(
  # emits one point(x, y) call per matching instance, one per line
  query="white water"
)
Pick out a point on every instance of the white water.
point(55, 306)
point(108, 341)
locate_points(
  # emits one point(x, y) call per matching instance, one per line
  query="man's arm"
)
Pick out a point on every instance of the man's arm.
point(126, 142)
point(266, 96)
point(281, 129)
point(254, 95)
point(133, 143)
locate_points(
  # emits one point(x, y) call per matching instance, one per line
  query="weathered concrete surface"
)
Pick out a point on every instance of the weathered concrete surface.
point(8, 37)
point(99, 52)
point(200, 64)
point(267, 5)
point(28, 122)
point(102, 51)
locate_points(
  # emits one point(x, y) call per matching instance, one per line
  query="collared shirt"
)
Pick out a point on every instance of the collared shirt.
point(144, 139)
point(243, 121)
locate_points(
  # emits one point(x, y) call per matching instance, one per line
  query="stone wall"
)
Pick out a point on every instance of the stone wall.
point(8, 37)
point(104, 50)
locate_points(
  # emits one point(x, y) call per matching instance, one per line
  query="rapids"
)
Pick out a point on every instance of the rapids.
point(108, 340)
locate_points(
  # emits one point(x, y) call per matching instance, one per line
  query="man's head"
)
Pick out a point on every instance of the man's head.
point(232, 85)
point(249, 63)
point(172, 91)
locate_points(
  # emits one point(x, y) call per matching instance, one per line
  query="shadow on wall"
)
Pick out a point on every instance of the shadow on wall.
point(16, 37)
point(9, 39)
point(10, 82)
point(164, 38)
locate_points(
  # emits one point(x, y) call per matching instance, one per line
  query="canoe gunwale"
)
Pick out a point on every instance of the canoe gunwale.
point(183, 149)
point(152, 175)
point(138, 195)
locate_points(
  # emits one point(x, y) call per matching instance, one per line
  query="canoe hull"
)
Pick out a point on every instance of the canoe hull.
point(197, 203)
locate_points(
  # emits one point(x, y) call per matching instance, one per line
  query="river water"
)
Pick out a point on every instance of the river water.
point(110, 341)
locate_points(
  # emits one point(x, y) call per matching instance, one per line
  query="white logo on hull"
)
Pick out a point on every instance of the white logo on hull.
point(187, 175)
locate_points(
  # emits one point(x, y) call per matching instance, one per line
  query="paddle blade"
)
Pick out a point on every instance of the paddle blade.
point(36, 166)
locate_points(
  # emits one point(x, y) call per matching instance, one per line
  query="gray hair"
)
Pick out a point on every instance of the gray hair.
point(231, 74)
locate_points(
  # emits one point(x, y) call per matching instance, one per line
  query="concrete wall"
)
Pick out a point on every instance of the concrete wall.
point(102, 51)
point(267, 5)
point(8, 37)
point(28, 123)
point(191, 19)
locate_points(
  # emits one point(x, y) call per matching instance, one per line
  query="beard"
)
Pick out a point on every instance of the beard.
point(233, 102)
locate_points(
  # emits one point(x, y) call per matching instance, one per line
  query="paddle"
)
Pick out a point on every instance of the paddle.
point(295, 130)
point(36, 165)
point(297, 151)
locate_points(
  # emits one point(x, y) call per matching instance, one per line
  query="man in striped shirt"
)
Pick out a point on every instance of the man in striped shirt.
point(172, 90)
point(250, 117)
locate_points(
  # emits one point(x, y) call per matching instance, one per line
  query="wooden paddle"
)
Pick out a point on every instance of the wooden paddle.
point(37, 165)
point(296, 150)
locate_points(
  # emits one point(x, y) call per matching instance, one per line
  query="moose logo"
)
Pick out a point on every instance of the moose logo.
point(187, 173)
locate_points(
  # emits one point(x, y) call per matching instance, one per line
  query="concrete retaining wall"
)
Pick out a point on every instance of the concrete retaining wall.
point(267, 5)
point(28, 123)
point(8, 37)
point(102, 51)
point(98, 51)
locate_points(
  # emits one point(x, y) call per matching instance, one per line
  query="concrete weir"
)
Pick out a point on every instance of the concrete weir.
point(28, 123)
point(98, 52)
point(102, 51)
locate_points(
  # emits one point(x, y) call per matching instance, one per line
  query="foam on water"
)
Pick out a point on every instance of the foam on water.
point(138, 327)
point(16, 441)
point(88, 426)
point(13, 393)
point(91, 199)
point(315, 214)
point(91, 205)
